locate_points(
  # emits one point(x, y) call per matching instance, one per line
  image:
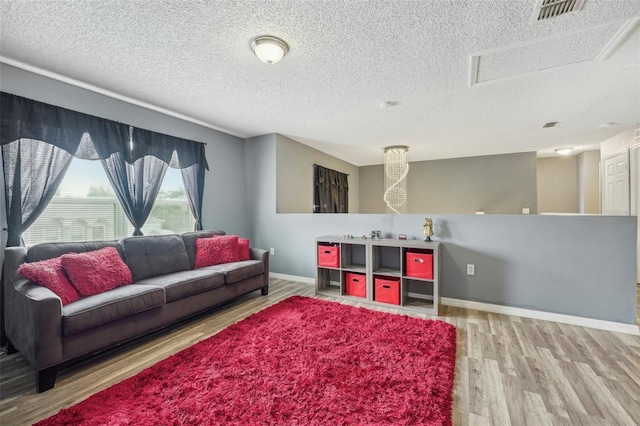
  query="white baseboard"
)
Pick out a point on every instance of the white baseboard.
point(420, 296)
point(546, 316)
point(508, 310)
point(303, 280)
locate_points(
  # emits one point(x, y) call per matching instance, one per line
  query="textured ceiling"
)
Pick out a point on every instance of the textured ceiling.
point(345, 59)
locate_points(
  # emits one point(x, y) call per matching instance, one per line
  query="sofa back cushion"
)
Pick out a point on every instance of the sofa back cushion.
point(44, 251)
point(150, 256)
point(95, 272)
point(189, 239)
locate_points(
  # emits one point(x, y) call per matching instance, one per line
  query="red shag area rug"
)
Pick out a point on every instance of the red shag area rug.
point(302, 361)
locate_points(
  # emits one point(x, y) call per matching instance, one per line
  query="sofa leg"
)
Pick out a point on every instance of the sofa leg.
point(264, 290)
point(45, 379)
point(10, 348)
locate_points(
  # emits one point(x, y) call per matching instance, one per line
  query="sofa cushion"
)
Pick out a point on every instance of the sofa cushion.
point(94, 311)
point(49, 273)
point(150, 256)
point(216, 250)
point(97, 271)
point(179, 285)
point(243, 251)
point(238, 271)
point(189, 239)
point(49, 250)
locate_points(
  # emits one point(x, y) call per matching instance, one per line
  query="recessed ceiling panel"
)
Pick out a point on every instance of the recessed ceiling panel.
point(545, 53)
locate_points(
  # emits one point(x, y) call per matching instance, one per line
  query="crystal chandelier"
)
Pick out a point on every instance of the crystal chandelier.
point(396, 168)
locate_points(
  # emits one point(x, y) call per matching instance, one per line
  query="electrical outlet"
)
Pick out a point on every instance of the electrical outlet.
point(272, 251)
point(471, 269)
point(526, 210)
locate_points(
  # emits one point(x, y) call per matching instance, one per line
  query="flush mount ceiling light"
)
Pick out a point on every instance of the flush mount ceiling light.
point(388, 104)
point(396, 168)
point(564, 151)
point(269, 49)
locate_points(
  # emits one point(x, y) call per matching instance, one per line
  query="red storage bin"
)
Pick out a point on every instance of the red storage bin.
point(387, 290)
point(419, 265)
point(329, 256)
point(356, 285)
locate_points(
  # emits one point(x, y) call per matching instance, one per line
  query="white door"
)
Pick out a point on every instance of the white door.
point(634, 171)
point(615, 197)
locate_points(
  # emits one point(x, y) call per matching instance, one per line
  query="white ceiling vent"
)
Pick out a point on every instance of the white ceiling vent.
point(547, 9)
point(550, 124)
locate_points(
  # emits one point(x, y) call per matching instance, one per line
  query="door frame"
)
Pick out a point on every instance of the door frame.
point(634, 176)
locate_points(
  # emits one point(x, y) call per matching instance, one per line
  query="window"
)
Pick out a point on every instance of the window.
point(170, 213)
point(86, 208)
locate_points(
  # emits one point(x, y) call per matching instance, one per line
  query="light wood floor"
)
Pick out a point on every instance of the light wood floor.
point(509, 370)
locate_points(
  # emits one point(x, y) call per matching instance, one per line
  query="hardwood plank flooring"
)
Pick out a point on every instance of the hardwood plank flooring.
point(509, 370)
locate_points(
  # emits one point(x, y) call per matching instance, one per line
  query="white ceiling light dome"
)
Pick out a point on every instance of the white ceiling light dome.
point(564, 151)
point(269, 49)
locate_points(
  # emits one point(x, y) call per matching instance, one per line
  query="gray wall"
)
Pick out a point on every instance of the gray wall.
point(372, 189)
point(492, 183)
point(558, 185)
point(574, 265)
point(589, 182)
point(582, 266)
point(294, 176)
point(223, 203)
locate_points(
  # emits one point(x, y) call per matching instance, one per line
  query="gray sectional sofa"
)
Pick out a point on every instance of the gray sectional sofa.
point(166, 289)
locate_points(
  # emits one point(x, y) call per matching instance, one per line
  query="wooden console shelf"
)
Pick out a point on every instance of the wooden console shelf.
point(410, 267)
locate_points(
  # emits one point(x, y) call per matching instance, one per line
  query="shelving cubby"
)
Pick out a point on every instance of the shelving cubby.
point(385, 259)
point(419, 291)
point(354, 257)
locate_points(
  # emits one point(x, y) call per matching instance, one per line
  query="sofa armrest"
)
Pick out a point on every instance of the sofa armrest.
point(33, 315)
point(263, 255)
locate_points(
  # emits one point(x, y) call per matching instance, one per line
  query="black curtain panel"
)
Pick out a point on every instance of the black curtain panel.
point(343, 192)
point(81, 135)
point(48, 136)
point(33, 171)
point(193, 178)
point(330, 191)
point(136, 185)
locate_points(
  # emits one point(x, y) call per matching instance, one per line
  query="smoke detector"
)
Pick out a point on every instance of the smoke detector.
point(547, 9)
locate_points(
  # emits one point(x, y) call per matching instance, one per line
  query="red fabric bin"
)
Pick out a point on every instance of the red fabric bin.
point(329, 256)
point(356, 285)
point(419, 265)
point(387, 290)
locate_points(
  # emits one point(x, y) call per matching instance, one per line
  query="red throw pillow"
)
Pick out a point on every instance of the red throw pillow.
point(216, 250)
point(49, 273)
point(96, 271)
point(243, 253)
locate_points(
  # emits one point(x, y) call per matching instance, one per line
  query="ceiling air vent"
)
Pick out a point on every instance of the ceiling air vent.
point(547, 9)
point(550, 124)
